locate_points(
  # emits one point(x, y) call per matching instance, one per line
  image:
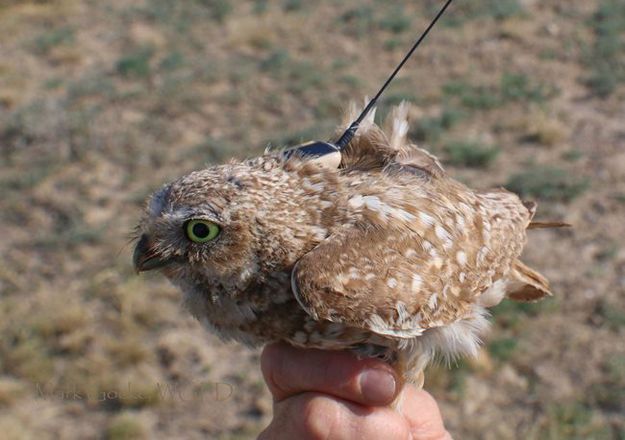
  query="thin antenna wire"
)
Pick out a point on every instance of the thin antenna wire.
point(347, 136)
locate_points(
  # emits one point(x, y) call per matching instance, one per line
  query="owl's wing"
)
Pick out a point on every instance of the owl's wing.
point(400, 280)
point(353, 277)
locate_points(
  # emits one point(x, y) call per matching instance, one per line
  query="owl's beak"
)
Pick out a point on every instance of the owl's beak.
point(145, 258)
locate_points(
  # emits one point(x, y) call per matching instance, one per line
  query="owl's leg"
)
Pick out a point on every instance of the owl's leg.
point(410, 366)
point(417, 380)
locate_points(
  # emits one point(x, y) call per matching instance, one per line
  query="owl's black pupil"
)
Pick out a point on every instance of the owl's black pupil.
point(200, 230)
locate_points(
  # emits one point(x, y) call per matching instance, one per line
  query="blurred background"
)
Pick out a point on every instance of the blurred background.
point(101, 102)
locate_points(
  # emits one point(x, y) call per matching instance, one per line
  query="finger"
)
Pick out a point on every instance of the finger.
point(289, 371)
point(315, 416)
point(423, 415)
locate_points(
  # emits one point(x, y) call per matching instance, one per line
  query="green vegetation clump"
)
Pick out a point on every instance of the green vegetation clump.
point(396, 20)
point(511, 314)
point(394, 99)
point(357, 20)
point(218, 9)
point(125, 426)
point(260, 6)
point(572, 155)
point(430, 129)
point(547, 182)
point(300, 76)
point(606, 59)
point(276, 61)
point(610, 315)
point(495, 9)
point(48, 40)
point(502, 349)
point(519, 87)
point(610, 392)
point(512, 87)
point(574, 421)
point(477, 97)
point(292, 5)
point(172, 61)
point(501, 9)
point(471, 154)
point(363, 19)
point(12, 181)
point(136, 64)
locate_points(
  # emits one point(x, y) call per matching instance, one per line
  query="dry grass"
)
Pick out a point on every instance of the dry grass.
point(102, 102)
point(125, 426)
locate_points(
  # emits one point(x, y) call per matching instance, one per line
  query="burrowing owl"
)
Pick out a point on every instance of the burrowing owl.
point(385, 254)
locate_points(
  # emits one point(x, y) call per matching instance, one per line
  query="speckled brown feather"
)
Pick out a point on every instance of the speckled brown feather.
point(409, 260)
point(386, 255)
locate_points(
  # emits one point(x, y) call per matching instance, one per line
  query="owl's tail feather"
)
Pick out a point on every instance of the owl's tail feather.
point(527, 285)
point(531, 208)
point(545, 225)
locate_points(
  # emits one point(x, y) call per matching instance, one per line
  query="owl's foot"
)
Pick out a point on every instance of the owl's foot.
point(417, 381)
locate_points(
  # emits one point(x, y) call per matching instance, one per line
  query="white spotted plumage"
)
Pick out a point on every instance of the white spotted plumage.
point(385, 255)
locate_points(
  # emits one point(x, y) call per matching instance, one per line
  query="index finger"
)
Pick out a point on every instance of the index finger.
point(423, 415)
point(289, 371)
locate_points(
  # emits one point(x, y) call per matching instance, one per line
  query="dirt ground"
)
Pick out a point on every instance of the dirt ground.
point(102, 102)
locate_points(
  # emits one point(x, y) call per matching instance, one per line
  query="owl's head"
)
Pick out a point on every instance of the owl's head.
point(199, 228)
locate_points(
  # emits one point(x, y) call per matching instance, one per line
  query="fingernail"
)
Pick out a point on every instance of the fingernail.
point(377, 386)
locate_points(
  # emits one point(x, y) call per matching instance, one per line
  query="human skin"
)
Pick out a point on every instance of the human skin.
point(333, 395)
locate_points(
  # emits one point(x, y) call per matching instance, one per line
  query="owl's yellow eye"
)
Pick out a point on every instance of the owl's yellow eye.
point(201, 231)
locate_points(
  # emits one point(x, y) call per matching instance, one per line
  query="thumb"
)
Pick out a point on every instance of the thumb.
point(289, 371)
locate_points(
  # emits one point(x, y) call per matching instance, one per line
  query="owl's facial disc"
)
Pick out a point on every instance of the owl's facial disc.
point(194, 228)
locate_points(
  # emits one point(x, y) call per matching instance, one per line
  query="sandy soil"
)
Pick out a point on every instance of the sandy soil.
point(102, 102)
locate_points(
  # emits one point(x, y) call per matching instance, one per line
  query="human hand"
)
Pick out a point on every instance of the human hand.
point(333, 395)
